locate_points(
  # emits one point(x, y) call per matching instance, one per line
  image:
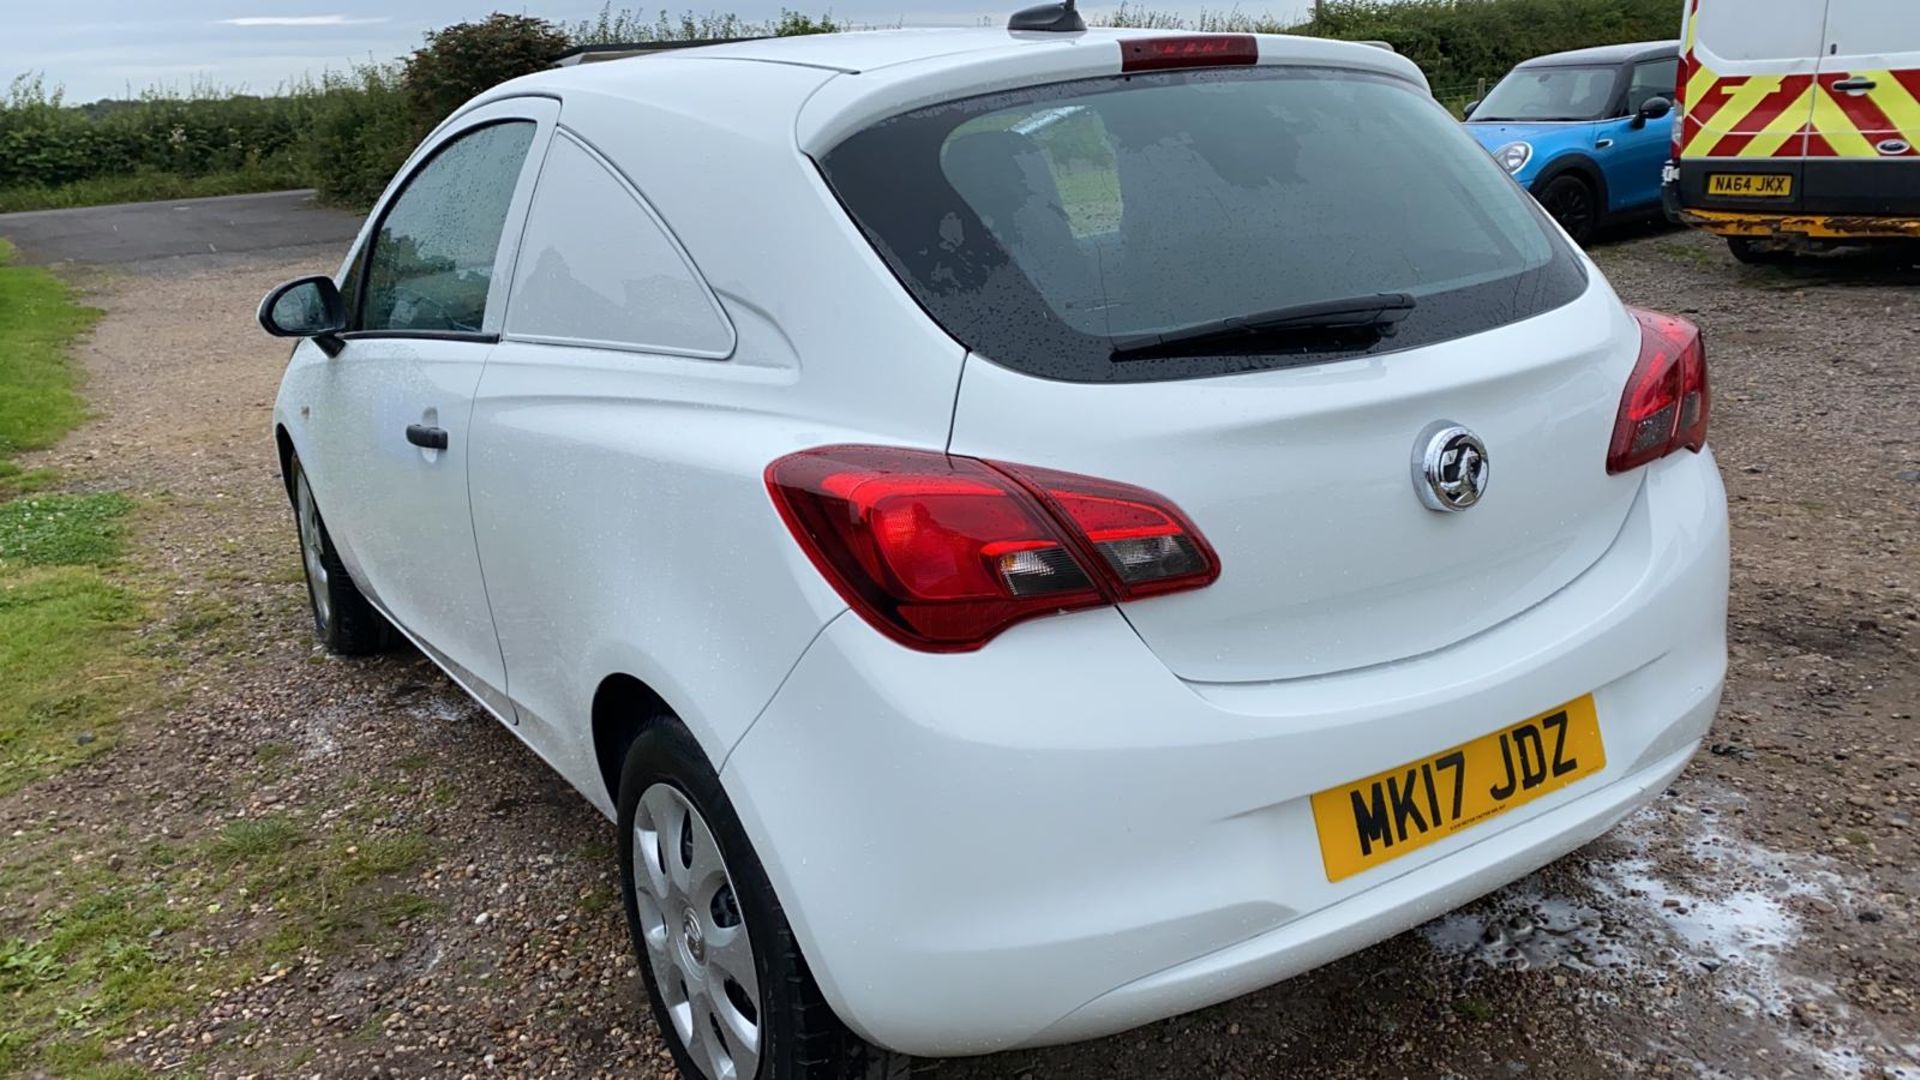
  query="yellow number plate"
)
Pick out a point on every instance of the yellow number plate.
point(1365, 823)
point(1750, 185)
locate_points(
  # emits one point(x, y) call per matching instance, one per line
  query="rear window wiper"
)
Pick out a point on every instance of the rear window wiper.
point(1376, 314)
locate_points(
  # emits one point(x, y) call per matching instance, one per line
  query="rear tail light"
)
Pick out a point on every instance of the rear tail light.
point(1682, 75)
point(1666, 404)
point(1188, 50)
point(943, 553)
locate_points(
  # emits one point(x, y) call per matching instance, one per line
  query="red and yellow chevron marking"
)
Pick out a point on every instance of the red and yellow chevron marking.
point(1753, 116)
point(1790, 116)
point(1855, 125)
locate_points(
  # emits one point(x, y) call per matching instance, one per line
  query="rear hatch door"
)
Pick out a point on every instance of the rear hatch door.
point(1303, 481)
point(1052, 229)
point(1864, 151)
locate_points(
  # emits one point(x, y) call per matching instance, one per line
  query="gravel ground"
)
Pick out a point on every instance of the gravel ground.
point(1760, 920)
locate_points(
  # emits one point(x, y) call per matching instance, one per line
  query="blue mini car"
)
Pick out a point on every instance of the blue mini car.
point(1586, 131)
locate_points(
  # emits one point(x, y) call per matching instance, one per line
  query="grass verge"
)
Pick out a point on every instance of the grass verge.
point(108, 936)
point(67, 673)
point(38, 323)
point(121, 944)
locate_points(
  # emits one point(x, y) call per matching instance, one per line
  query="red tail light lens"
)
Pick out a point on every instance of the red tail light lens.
point(943, 553)
point(1666, 404)
point(1144, 543)
point(1188, 50)
point(1682, 76)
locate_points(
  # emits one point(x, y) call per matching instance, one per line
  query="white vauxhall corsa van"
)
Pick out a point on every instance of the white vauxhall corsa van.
point(1028, 531)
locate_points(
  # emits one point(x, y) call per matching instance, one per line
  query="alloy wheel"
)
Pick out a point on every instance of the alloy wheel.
point(1571, 204)
point(697, 942)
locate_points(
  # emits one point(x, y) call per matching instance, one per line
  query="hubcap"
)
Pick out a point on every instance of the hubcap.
point(697, 943)
point(311, 545)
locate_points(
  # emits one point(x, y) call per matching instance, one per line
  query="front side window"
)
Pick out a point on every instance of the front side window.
point(431, 264)
point(1052, 229)
point(1652, 79)
point(1552, 93)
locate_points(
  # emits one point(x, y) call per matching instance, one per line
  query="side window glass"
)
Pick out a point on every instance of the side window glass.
point(596, 268)
point(1650, 80)
point(432, 260)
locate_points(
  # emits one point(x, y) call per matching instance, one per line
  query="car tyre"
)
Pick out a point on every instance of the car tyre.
point(1757, 252)
point(342, 618)
point(695, 894)
point(1572, 202)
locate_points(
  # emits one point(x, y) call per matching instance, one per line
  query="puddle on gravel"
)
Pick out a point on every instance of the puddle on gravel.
point(446, 707)
point(1734, 907)
point(1671, 894)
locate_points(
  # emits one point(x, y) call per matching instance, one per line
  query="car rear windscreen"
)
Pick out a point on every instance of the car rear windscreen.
point(1040, 226)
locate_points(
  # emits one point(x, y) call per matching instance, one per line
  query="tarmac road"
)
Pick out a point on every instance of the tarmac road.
point(226, 231)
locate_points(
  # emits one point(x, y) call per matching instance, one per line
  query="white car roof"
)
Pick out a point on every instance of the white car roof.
point(869, 75)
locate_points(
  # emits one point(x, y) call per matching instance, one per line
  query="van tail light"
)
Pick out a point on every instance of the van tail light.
point(1682, 76)
point(1188, 50)
point(1666, 404)
point(943, 553)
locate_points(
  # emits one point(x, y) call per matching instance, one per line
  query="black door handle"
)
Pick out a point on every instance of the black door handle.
point(1858, 82)
point(432, 438)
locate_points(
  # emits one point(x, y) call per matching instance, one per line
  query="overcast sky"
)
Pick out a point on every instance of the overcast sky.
point(107, 48)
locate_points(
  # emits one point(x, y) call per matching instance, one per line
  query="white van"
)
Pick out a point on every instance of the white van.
point(1800, 123)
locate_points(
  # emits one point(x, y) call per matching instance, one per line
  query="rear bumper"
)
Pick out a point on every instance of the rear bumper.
point(1381, 912)
point(1830, 198)
point(1802, 226)
point(1054, 838)
point(1670, 191)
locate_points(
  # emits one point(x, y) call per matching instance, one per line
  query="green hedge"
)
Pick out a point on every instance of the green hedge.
point(1457, 42)
point(45, 142)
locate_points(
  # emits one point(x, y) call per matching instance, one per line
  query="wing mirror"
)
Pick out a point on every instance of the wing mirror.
point(1467, 113)
point(1652, 109)
point(308, 307)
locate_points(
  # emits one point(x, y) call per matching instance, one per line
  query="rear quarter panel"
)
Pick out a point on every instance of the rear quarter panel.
point(619, 500)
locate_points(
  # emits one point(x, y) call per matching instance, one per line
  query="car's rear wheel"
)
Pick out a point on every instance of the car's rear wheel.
point(731, 993)
point(342, 618)
point(1572, 202)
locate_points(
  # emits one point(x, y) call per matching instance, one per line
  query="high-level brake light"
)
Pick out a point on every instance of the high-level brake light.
point(1188, 50)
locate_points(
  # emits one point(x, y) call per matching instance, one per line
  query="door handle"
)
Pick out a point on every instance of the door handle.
point(1856, 84)
point(431, 438)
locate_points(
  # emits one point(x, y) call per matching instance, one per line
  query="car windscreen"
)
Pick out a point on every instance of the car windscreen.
point(1552, 93)
point(1042, 226)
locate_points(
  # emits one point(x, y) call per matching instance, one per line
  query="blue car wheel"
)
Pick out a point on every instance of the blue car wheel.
point(1572, 203)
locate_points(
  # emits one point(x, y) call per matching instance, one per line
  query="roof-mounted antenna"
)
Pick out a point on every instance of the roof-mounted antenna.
point(1060, 18)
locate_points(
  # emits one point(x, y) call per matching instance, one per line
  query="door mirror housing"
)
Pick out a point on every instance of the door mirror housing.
point(1652, 109)
point(308, 307)
point(1467, 113)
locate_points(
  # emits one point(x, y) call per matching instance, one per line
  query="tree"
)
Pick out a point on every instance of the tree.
point(464, 59)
